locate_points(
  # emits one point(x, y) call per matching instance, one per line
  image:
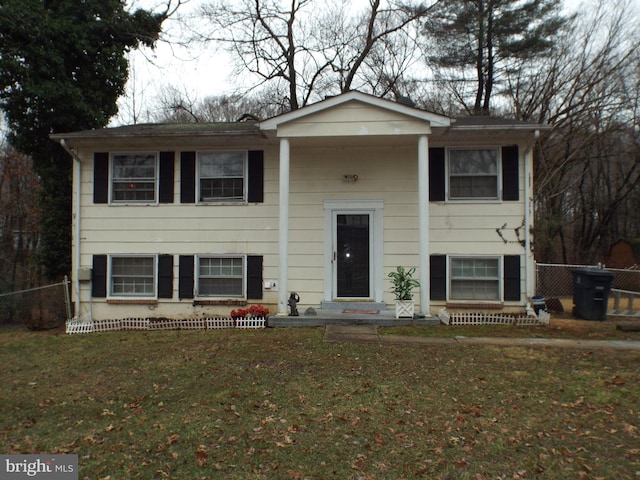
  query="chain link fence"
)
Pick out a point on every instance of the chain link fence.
point(555, 283)
point(38, 308)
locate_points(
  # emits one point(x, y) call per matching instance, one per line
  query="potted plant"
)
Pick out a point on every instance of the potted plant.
point(403, 285)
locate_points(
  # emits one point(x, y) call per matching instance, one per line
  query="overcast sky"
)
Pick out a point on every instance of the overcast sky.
point(197, 72)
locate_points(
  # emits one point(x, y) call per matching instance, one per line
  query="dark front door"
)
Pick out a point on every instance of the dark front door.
point(353, 255)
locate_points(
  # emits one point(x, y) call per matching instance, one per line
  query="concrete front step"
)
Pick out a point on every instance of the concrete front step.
point(353, 305)
point(386, 318)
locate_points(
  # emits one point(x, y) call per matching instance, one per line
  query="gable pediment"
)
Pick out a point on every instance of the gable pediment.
point(354, 114)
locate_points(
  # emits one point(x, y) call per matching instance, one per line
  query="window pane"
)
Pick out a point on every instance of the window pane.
point(474, 279)
point(134, 177)
point(473, 173)
point(478, 187)
point(222, 176)
point(474, 162)
point(221, 276)
point(132, 276)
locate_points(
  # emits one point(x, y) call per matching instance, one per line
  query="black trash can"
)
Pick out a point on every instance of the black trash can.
point(591, 288)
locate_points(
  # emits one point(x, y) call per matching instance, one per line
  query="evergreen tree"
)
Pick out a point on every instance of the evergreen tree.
point(62, 68)
point(485, 35)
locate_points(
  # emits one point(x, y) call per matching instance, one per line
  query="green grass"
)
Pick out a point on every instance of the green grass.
point(280, 403)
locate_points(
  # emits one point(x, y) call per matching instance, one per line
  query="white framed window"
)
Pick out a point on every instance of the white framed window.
point(222, 276)
point(132, 276)
point(134, 177)
point(474, 278)
point(474, 173)
point(222, 176)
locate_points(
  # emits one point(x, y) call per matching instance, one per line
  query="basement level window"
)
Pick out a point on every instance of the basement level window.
point(474, 278)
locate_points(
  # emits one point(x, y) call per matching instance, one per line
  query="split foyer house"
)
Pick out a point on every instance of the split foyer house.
point(181, 221)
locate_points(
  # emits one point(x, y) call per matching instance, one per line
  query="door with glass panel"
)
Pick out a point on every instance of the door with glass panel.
point(352, 235)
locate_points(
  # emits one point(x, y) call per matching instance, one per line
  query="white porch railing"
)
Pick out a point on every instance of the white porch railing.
point(632, 300)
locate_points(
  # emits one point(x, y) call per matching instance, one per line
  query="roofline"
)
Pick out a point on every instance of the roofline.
point(72, 136)
point(521, 127)
point(273, 122)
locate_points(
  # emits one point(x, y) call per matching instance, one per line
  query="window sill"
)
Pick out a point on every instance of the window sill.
point(133, 204)
point(476, 305)
point(454, 201)
point(209, 203)
point(132, 301)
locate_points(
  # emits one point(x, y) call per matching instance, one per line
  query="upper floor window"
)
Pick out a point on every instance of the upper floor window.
point(133, 177)
point(473, 173)
point(222, 176)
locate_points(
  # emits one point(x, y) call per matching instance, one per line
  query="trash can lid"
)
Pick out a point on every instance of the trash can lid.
point(592, 272)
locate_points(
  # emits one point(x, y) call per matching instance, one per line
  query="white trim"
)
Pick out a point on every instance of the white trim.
point(376, 210)
point(283, 228)
point(434, 119)
point(196, 276)
point(500, 277)
point(112, 296)
point(529, 260)
point(447, 175)
point(245, 178)
point(156, 181)
point(423, 224)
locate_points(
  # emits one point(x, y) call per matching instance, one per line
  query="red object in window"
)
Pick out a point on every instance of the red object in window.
point(132, 185)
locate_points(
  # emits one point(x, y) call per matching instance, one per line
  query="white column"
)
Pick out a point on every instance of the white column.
point(423, 222)
point(283, 232)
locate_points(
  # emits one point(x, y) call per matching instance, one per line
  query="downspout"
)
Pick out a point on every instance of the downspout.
point(528, 163)
point(76, 232)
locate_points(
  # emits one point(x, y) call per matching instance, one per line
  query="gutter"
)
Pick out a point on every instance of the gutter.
point(76, 232)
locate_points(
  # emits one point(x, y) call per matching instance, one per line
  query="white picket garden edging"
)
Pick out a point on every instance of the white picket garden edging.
point(482, 318)
point(87, 325)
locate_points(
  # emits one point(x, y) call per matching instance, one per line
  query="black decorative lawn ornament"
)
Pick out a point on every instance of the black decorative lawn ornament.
point(293, 302)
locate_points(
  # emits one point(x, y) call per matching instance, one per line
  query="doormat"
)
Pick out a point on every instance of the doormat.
point(355, 310)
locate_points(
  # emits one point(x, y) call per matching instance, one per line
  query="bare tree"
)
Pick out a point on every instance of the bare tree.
point(588, 165)
point(179, 106)
point(306, 53)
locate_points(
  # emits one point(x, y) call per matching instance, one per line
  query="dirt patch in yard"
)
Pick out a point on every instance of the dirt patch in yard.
point(612, 326)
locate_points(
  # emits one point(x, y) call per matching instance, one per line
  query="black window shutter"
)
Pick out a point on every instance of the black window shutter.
point(165, 276)
point(188, 177)
point(438, 277)
point(437, 178)
point(254, 277)
point(512, 277)
point(167, 176)
point(256, 176)
point(185, 273)
point(510, 173)
point(101, 177)
point(99, 276)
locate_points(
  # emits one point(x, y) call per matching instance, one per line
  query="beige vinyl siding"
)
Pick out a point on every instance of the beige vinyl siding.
point(353, 119)
point(316, 175)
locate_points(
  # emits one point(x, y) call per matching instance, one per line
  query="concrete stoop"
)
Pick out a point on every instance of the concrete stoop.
point(349, 313)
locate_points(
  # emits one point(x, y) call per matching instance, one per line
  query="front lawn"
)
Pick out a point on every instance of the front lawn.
point(280, 403)
point(559, 327)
